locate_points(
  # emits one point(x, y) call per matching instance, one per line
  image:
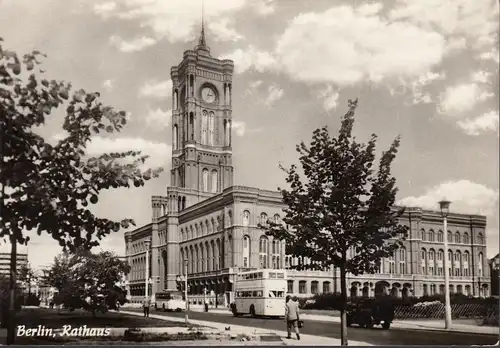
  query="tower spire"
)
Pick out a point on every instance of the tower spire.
point(202, 44)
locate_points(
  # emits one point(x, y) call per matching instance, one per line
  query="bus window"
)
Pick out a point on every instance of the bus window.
point(281, 275)
point(272, 293)
point(259, 293)
point(260, 275)
point(272, 275)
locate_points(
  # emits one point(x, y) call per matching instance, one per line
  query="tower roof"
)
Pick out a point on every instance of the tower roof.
point(202, 47)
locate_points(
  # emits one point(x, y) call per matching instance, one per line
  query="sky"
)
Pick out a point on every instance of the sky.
point(426, 70)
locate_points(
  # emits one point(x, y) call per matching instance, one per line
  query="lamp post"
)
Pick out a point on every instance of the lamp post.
point(147, 243)
point(184, 278)
point(444, 206)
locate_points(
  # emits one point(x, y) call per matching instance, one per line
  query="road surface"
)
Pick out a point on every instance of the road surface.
point(376, 336)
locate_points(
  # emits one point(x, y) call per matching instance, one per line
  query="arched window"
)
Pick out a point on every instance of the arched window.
point(440, 258)
point(191, 126)
point(246, 251)
point(480, 239)
point(276, 252)
point(263, 252)
point(432, 236)
point(263, 219)
point(211, 129)
point(246, 218)
point(175, 137)
point(466, 238)
point(402, 261)
point(423, 261)
point(176, 100)
point(214, 181)
point(422, 234)
point(440, 236)
point(465, 264)
point(457, 237)
point(392, 266)
point(480, 265)
point(228, 133)
point(450, 238)
point(458, 264)
point(277, 219)
point(204, 177)
point(430, 261)
point(450, 262)
point(225, 132)
point(204, 126)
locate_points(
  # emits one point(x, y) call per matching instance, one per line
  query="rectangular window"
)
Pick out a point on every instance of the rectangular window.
point(245, 261)
point(431, 270)
point(326, 288)
point(290, 286)
point(314, 287)
point(302, 287)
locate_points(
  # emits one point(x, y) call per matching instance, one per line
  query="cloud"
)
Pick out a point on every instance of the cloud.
point(492, 55)
point(251, 58)
point(253, 86)
point(239, 128)
point(134, 45)
point(179, 20)
point(419, 93)
point(264, 7)
point(462, 98)
point(158, 152)
point(223, 31)
point(108, 85)
point(488, 122)
point(156, 89)
point(105, 9)
point(352, 45)
point(329, 97)
point(158, 119)
point(476, 21)
point(275, 93)
point(481, 76)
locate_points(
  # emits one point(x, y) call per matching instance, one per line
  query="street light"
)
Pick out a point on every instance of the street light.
point(147, 244)
point(184, 278)
point(444, 205)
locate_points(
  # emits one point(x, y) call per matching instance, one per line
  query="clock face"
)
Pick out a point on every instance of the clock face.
point(208, 94)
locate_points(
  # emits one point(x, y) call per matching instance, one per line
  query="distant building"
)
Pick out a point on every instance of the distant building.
point(22, 260)
point(495, 274)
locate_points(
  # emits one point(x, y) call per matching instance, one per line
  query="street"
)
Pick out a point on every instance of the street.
point(377, 336)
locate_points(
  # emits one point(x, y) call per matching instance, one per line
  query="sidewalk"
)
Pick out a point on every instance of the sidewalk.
point(240, 330)
point(401, 324)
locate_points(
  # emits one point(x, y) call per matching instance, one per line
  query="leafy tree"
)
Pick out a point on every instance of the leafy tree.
point(342, 205)
point(48, 188)
point(83, 279)
point(27, 275)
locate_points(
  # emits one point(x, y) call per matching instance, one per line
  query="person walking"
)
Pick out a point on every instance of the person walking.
point(292, 316)
point(145, 306)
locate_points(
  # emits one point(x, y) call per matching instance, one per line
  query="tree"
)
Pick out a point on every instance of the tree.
point(27, 275)
point(83, 279)
point(47, 188)
point(342, 206)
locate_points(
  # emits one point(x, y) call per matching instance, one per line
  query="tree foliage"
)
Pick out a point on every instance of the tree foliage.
point(82, 278)
point(341, 211)
point(342, 204)
point(49, 187)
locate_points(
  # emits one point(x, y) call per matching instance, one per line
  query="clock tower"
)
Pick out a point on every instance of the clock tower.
point(201, 125)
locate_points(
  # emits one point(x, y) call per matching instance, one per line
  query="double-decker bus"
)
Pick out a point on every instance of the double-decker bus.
point(170, 301)
point(260, 293)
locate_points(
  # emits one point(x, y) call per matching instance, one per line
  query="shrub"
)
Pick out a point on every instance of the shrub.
point(32, 300)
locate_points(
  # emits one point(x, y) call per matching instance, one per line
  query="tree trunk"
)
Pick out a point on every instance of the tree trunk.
point(11, 328)
point(343, 302)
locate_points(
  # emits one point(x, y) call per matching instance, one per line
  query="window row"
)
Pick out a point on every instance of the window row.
point(203, 257)
point(263, 219)
point(265, 253)
point(433, 289)
point(138, 268)
point(200, 229)
point(431, 236)
point(459, 263)
point(326, 287)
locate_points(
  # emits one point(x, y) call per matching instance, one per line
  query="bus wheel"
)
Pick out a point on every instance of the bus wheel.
point(252, 311)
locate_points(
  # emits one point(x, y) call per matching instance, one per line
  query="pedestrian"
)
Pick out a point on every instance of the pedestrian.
point(145, 306)
point(292, 316)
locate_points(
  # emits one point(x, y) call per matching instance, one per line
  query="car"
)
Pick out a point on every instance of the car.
point(370, 312)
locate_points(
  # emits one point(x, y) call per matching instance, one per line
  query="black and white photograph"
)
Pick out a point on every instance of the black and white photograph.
point(249, 172)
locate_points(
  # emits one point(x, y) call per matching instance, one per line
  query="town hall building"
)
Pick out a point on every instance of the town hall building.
point(209, 226)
